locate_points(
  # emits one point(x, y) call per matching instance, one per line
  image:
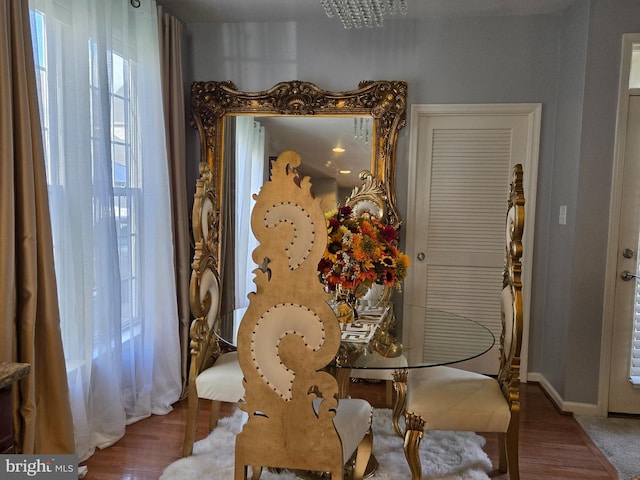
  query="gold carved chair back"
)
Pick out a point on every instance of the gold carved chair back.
point(287, 337)
point(512, 308)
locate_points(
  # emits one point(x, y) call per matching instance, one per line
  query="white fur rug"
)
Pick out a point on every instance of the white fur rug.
point(444, 455)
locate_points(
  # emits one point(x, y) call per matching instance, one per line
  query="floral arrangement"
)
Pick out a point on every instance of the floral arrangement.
point(360, 251)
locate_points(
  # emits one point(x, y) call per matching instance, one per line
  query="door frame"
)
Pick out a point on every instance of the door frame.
point(611, 271)
point(533, 112)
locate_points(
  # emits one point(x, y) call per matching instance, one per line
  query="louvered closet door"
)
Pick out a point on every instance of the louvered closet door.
point(462, 167)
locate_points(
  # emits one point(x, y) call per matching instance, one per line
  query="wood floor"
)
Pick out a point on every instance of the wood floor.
point(552, 445)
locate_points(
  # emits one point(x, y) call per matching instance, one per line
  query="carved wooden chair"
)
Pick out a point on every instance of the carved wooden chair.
point(447, 398)
point(214, 373)
point(287, 337)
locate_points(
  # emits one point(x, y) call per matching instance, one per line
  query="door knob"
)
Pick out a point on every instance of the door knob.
point(627, 275)
point(420, 256)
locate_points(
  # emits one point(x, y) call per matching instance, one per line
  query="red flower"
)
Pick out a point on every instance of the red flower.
point(388, 278)
point(388, 233)
point(344, 212)
point(334, 223)
point(324, 265)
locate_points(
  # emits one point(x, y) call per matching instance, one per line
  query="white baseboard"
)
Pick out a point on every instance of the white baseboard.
point(576, 408)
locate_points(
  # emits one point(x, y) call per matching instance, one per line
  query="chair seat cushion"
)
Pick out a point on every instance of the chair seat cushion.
point(222, 381)
point(452, 399)
point(352, 422)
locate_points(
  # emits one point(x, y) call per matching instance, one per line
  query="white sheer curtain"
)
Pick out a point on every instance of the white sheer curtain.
point(250, 160)
point(98, 71)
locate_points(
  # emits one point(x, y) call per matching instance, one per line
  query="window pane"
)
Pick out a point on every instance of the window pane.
point(37, 33)
point(118, 75)
point(126, 302)
point(118, 130)
point(119, 165)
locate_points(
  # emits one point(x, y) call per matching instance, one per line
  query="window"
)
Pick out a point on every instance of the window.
point(126, 181)
point(125, 165)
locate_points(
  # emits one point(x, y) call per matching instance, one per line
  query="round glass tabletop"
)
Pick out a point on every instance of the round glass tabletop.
point(446, 338)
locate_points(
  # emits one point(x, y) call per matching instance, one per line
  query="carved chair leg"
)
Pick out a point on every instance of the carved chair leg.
point(363, 454)
point(214, 415)
point(512, 451)
point(193, 407)
point(400, 386)
point(502, 452)
point(412, 438)
point(508, 452)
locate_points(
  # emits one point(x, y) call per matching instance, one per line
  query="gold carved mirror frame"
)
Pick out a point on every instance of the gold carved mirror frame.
point(383, 101)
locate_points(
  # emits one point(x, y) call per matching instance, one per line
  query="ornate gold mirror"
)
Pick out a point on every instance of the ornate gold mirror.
point(381, 103)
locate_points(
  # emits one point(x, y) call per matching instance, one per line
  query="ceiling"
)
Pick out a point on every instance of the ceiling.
point(206, 11)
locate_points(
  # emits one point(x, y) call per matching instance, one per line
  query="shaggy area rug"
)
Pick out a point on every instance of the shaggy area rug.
point(444, 455)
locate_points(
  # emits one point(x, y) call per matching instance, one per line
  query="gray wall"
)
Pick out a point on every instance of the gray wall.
point(568, 62)
point(555, 243)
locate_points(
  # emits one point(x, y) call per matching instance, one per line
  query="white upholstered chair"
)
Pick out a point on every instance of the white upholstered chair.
point(287, 337)
point(447, 398)
point(214, 373)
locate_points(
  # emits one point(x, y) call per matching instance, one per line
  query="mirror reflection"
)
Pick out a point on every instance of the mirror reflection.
point(334, 150)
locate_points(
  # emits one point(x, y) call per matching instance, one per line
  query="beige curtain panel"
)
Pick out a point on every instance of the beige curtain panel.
point(170, 39)
point(30, 328)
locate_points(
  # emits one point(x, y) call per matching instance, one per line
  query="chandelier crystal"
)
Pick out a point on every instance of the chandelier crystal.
point(359, 13)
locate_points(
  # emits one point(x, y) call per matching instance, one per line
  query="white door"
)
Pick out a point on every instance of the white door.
point(620, 356)
point(460, 169)
point(624, 381)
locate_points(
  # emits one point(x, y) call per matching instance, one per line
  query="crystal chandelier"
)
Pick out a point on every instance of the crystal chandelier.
point(356, 13)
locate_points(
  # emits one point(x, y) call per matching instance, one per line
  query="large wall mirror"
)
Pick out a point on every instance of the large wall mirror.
point(295, 116)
